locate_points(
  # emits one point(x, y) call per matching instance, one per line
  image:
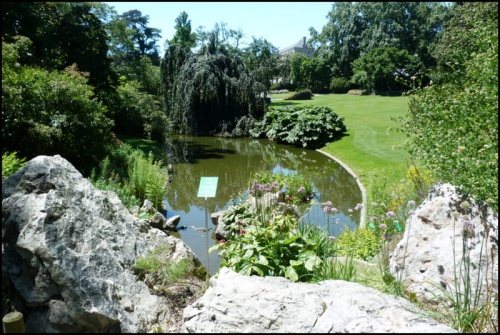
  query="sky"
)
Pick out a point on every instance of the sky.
point(280, 23)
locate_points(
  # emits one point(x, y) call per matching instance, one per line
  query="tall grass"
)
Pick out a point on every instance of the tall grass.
point(147, 178)
point(133, 178)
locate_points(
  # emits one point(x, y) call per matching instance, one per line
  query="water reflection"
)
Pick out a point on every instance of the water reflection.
point(234, 161)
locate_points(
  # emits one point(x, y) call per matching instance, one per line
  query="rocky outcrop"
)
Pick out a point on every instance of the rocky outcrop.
point(449, 237)
point(68, 250)
point(250, 304)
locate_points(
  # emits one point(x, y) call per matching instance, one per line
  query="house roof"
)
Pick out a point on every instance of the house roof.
point(300, 45)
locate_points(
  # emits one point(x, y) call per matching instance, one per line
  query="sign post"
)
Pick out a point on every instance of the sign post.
point(207, 189)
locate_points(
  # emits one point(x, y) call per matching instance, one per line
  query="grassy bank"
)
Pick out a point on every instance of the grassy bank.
point(370, 147)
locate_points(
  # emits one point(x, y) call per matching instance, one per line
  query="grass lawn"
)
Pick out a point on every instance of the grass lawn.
point(145, 145)
point(368, 147)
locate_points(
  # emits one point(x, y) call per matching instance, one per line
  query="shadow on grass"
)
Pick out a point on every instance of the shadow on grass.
point(283, 103)
point(144, 145)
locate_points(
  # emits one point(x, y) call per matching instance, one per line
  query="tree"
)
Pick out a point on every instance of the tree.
point(382, 67)
point(356, 28)
point(261, 58)
point(296, 75)
point(452, 124)
point(183, 34)
point(50, 112)
point(62, 34)
point(144, 38)
point(208, 93)
point(316, 74)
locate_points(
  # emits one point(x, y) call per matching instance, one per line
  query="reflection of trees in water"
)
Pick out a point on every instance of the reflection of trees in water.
point(234, 161)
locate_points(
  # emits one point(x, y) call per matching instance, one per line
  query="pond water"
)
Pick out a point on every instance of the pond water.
point(234, 161)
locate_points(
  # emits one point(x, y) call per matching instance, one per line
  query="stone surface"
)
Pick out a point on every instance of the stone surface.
point(250, 304)
point(68, 249)
point(430, 254)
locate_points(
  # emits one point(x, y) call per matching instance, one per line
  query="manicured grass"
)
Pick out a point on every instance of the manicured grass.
point(145, 145)
point(368, 147)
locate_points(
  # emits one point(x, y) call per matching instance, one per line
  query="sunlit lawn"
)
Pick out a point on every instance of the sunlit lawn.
point(368, 146)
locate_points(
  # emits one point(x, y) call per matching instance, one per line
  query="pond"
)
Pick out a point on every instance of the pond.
point(234, 161)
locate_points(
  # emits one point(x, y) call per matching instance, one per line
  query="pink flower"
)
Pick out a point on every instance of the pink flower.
point(390, 214)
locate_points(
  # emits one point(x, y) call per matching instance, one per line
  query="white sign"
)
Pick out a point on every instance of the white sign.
point(208, 187)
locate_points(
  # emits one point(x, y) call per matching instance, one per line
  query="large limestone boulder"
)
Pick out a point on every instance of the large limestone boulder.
point(250, 304)
point(67, 253)
point(430, 256)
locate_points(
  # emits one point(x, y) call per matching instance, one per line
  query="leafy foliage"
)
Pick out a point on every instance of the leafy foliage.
point(261, 58)
point(62, 34)
point(363, 243)
point(309, 126)
point(453, 124)
point(339, 85)
point(302, 95)
point(147, 178)
point(11, 163)
point(183, 34)
point(356, 28)
point(275, 247)
point(381, 68)
point(133, 176)
point(209, 92)
point(50, 112)
point(138, 114)
point(294, 186)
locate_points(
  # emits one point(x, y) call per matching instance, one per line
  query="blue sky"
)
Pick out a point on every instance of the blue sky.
point(280, 23)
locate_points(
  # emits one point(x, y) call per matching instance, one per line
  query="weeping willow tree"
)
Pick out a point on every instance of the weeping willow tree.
point(210, 92)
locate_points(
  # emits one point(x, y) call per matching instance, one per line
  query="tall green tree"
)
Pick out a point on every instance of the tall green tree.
point(261, 58)
point(63, 33)
point(452, 124)
point(296, 75)
point(210, 92)
point(316, 74)
point(356, 28)
point(386, 69)
point(143, 37)
point(183, 34)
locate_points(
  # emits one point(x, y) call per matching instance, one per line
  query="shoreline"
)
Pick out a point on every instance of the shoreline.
point(360, 185)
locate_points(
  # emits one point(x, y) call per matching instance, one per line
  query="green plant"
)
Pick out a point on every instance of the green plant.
point(163, 271)
point(106, 177)
point(339, 85)
point(470, 312)
point(147, 178)
point(452, 124)
point(307, 126)
point(11, 163)
point(362, 243)
point(293, 185)
point(302, 95)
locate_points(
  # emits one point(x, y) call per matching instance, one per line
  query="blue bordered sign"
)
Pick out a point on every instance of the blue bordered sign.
point(208, 187)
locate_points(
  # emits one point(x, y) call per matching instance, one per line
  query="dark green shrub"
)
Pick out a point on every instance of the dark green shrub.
point(302, 95)
point(339, 85)
point(307, 126)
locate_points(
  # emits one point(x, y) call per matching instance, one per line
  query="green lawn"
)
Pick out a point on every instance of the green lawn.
point(368, 146)
point(145, 145)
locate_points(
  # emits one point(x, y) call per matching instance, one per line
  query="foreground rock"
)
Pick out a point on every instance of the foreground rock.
point(240, 304)
point(67, 253)
point(430, 254)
